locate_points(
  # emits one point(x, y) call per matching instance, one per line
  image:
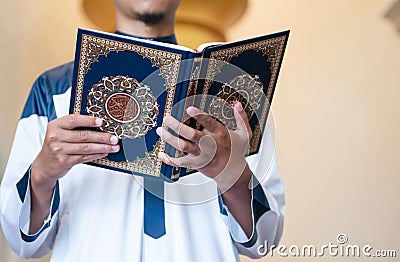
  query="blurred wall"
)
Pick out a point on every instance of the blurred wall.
point(337, 120)
point(336, 108)
point(35, 36)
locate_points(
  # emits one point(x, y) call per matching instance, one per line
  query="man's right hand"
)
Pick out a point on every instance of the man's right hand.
point(64, 146)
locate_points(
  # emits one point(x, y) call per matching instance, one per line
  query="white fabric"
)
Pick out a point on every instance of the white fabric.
point(100, 217)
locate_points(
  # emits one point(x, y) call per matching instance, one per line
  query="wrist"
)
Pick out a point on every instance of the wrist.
point(42, 188)
point(235, 184)
point(39, 180)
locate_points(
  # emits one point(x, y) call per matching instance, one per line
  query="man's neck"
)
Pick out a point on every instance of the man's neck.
point(138, 28)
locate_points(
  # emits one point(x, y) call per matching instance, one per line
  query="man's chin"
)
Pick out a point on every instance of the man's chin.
point(150, 19)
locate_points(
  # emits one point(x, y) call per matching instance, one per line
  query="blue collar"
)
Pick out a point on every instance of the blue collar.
point(171, 39)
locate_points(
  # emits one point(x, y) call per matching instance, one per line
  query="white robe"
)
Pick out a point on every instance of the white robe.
point(97, 214)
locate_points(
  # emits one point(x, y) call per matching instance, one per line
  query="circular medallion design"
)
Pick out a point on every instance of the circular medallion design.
point(245, 89)
point(128, 108)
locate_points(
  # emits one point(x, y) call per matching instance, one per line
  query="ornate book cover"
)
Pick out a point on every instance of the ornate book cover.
point(133, 83)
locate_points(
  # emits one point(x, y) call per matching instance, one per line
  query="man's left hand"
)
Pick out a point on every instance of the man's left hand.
point(215, 151)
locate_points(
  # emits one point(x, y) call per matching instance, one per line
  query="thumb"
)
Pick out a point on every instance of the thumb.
point(242, 122)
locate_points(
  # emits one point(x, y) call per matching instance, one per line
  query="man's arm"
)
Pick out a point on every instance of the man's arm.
point(238, 200)
point(254, 201)
point(29, 199)
point(63, 148)
point(219, 154)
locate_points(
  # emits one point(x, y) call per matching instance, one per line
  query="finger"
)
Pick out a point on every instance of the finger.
point(183, 130)
point(176, 161)
point(79, 159)
point(208, 151)
point(242, 122)
point(178, 143)
point(87, 136)
point(88, 148)
point(74, 120)
point(207, 121)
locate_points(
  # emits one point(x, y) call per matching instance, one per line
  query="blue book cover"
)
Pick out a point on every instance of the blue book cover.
point(133, 83)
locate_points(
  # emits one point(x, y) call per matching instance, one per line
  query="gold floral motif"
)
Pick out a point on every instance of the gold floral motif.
point(271, 48)
point(146, 165)
point(149, 162)
point(245, 89)
point(192, 87)
point(128, 108)
point(97, 47)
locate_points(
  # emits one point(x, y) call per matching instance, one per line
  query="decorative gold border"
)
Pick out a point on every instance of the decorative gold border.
point(272, 49)
point(193, 81)
point(191, 91)
point(91, 48)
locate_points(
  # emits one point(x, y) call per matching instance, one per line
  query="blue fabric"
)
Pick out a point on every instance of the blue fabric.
point(22, 188)
point(54, 208)
point(222, 209)
point(52, 82)
point(154, 213)
point(260, 207)
point(31, 238)
point(40, 102)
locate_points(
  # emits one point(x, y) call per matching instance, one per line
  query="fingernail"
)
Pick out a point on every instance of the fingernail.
point(161, 155)
point(114, 140)
point(167, 119)
point(238, 106)
point(98, 121)
point(191, 110)
point(115, 148)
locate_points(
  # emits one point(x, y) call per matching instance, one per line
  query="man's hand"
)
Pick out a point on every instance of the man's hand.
point(64, 146)
point(215, 151)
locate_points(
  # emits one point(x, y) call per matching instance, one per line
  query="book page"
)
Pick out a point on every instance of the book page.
point(148, 41)
point(203, 46)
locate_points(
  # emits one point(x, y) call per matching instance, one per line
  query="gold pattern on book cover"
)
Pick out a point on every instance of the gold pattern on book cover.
point(92, 48)
point(272, 49)
point(243, 88)
point(189, 101)
point(128, 108)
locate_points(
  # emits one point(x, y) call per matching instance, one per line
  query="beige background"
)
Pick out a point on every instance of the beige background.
point(336, 108)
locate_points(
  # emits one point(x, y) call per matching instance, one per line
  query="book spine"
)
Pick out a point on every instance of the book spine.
point(173, 173)
point(75, 72)
point(189, 90)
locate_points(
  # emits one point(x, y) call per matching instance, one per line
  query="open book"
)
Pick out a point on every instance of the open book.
point(133, 83)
